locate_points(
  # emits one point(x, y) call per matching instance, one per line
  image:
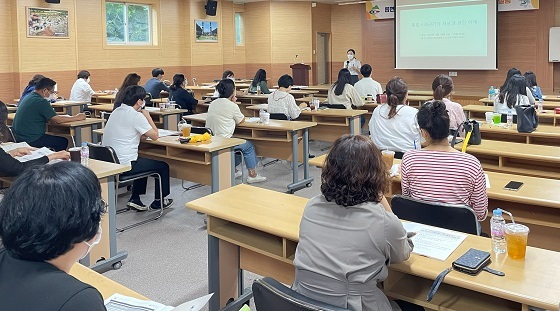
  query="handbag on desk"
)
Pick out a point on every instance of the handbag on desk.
point(471, 129)
point(527, 118)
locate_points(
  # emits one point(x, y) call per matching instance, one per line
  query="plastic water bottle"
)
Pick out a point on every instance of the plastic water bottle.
point(491, 93)
point(497, 223)
point(261, 115)
point(258, 90)
point(84, 153)
point(540, 108)
point(509, 119)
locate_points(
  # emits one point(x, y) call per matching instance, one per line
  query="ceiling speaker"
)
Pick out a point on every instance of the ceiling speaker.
point(53, 1)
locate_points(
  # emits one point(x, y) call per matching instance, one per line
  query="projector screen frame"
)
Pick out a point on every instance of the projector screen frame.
point(496, 45)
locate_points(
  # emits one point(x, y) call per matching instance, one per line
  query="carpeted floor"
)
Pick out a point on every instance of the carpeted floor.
point(167, 258)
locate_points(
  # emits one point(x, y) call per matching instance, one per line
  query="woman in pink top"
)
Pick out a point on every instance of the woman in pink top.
point(440, 173)
point(442, 87)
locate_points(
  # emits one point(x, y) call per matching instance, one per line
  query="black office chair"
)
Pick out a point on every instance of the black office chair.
point(448, 216)
point(107, 154)
point(336, 106)
point(271, 295)
point(278, 116)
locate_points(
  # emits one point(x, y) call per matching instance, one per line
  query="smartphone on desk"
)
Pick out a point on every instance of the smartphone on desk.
point(513, 185)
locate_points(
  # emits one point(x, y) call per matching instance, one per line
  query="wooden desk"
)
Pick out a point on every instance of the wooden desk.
point(478, 112)
point(331, 123)
point(322, 88)
point(418, 100)
point(554, 97)
point(69, 107)
point(200, 91)
point(543, 135)
point(517, 158)
point(257, 230)
point(103, 284)
point(167, 119)
point(547, 104)
point(209, 163)
point(105, 256)
point(78, 131)
point(280, 139)
point(103, 99)
point(536, 204)
point(420, 93)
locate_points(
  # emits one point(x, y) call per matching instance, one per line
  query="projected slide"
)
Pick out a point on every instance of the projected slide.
point(453, 31)
point(443, 34)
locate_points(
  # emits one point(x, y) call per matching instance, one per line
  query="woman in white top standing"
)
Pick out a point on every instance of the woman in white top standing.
point(353, 65)
point(281, 101)
point(393, 125)
point(514, 94)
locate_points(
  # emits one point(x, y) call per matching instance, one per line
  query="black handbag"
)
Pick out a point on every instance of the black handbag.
point(527, 118)
point(466, 127)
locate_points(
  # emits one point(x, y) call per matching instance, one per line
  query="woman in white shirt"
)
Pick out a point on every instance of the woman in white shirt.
point(281, 101)
point(353, 65)
point(393, 125)
point(514, 94)
point(223, 115)
point(343, 93)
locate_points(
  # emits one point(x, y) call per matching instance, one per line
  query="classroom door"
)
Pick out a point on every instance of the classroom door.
point(322, 57)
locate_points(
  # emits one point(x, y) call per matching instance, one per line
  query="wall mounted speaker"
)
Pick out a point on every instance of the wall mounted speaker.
point(53, 1)
point(211, 7)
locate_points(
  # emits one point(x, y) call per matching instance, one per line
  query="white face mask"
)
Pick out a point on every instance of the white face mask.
point(87, 80)
point(142, 106)
point(90, 246)
point(232, 79)
point(350, 56)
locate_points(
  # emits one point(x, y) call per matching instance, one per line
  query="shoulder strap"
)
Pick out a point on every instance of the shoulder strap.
point(437, 283)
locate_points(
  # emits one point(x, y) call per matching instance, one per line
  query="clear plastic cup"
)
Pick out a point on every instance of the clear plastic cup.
point(388, 157)
point(516, 240)
point(497, 118)
point(489, 118)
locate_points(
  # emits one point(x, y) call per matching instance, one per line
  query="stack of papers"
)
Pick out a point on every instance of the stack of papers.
point(163, 133)
point(35, 154)
point(118, 302)
point(434, 242)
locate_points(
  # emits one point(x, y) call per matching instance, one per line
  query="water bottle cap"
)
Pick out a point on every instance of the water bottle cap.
point(84, 144)
point(497, 212)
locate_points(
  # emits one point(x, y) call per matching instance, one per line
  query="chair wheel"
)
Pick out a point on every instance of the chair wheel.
point(117, 265)
point(308, 185)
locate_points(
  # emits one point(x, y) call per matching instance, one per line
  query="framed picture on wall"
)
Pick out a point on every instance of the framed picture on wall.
point(206, 31)
point(47, 23)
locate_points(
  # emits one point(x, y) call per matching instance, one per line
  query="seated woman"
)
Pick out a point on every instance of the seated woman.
point(260, 81)
point(228, 74)
point(282, 102)
point(223, 115)
point(442, 87)
point(182, 97)
point(531, 79)
point(440, 173)
point(9, 165)
point(348, 234)
point(44, 232)
point(512, 72)
point(343, 93)
point(393, 125)
point(514, 94)
point(130, 79)
point(30, 88)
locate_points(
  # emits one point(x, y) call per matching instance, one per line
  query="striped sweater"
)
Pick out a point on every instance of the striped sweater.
point(445, 177)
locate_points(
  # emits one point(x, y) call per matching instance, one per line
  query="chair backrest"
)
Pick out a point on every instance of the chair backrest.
point(102, 153)
point(336, 106)
point(271, 295)
point(278, 116)
point(448, 216)
point(12, 134)
point(201, 130)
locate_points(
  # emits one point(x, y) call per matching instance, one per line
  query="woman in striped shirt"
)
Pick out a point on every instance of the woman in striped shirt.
point(440, 173)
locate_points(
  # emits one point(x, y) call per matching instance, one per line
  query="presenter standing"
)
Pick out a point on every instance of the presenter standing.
point(353, 65)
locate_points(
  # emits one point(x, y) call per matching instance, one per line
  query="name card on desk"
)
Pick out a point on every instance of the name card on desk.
point(434, 242)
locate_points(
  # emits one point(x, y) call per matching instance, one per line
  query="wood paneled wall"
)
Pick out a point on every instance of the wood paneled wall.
point(321, 23)
point(347, 33)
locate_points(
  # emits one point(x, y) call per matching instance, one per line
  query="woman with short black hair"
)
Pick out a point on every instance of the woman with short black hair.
point(181, 96)
point(49, 219)
point(348, 234)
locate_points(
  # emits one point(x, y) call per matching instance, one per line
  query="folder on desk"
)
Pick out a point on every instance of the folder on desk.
point(118, 302)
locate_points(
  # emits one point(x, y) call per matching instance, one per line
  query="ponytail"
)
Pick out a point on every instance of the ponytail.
point(442, 87)
point(393, 102)
point(439, 93)
point(396, 90)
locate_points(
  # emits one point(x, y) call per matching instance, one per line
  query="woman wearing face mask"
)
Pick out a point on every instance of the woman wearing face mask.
point(44, 233)
point(81, 90)
point(353, 65)
point(180, 96)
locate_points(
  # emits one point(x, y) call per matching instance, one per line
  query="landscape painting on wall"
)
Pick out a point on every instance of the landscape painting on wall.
point(206, 31)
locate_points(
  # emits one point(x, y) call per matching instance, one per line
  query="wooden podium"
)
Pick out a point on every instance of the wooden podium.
point(300, 73)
